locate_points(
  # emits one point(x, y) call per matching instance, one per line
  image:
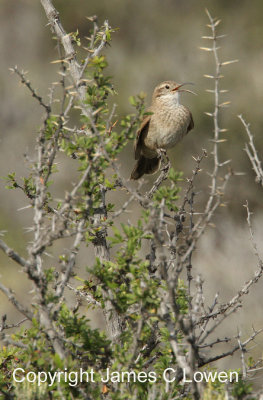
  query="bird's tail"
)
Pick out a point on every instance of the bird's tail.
point(145, 166)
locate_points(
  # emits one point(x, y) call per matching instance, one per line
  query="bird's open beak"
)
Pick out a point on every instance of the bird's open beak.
point(184, 90)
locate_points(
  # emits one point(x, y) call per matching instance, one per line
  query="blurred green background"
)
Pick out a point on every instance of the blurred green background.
point(156, 40)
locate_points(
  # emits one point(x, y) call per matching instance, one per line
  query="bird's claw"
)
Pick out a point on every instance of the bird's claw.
point(163, 155)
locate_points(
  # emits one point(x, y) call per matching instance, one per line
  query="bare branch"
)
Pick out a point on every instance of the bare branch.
point(65, 39)
point(72, 259)
point(162, 177)
point(11, 297)
point(29, 86)
point(235, 301)
point(252, 238)
point(232, 351)
point(5, 326)
point(13, 254)
point(86, 296)
point(251, 151)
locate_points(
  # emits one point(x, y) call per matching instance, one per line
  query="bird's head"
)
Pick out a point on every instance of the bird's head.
point(169, 91)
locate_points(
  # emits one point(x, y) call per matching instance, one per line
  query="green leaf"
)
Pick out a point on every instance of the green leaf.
point(133, 101)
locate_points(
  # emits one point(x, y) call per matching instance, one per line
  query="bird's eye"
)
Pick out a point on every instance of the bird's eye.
point(167, 87)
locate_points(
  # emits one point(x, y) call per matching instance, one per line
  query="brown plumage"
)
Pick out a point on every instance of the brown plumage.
point(164, 128)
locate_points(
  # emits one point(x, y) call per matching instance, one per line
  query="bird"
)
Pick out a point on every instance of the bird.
point(164, 124)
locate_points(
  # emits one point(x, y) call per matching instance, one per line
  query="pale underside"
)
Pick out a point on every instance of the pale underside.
point(162, 130)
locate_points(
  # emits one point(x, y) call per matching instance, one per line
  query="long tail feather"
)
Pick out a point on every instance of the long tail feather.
point(145, 166)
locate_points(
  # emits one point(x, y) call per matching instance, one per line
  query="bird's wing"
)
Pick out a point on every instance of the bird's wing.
point(140, 135)
point(191, 123)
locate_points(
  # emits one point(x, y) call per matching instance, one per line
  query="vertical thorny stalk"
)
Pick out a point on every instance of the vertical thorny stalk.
point(215, 113)
point(198, 227)
point(216, 191)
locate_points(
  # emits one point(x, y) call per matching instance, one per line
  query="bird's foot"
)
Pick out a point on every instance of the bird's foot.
point(165, 162)
point(163, 155)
